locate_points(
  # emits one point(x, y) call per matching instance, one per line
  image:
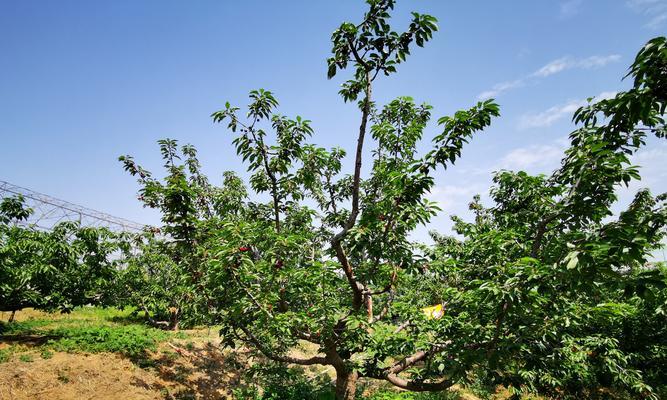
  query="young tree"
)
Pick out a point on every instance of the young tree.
point(165, 272)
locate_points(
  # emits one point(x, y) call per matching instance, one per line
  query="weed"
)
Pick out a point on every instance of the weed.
point(169, 355)
point(62, 376)
point(25, 358)
point(87, 329)
point(46, 354)
point(145, 362)
point(5, 354)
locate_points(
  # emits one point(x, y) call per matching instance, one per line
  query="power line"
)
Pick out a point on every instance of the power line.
point(49, 211)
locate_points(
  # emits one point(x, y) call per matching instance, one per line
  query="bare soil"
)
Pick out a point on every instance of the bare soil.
point(201, 373)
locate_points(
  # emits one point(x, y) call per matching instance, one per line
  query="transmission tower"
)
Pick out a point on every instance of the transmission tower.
point(49, 211)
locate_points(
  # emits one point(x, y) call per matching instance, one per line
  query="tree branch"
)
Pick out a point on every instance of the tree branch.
point(499, 323)
point(254, 300)
point(272, 177)
point(307, 337)
point(391, 373)
point(385, 309)
point(541, 230)
point(357, 288)
point(357, 57)
point(316, 360)
point(418, 386)
point(407, 362)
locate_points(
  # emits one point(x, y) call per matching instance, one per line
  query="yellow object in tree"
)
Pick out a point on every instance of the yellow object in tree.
point(434, 312)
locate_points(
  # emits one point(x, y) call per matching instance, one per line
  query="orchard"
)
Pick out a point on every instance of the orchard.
point(546, 291)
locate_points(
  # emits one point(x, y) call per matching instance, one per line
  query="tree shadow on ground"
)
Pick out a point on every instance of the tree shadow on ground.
point(29, 340)
point(204, 372)
point(23, 333)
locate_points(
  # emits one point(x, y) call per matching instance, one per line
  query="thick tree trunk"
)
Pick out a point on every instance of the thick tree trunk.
point(346, 385)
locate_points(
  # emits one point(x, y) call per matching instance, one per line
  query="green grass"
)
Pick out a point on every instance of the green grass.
point(131, 341)
point(46, 354)
point(87, 329)
point(30, 327)
point(5, 354)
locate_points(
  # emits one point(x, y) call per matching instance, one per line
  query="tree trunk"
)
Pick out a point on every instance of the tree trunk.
point(346, 385)
point(173, 318)
point(11, 317)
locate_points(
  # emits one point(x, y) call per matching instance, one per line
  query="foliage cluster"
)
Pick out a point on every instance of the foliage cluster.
point(166, 272)
point(55, 270)
point(267, 381)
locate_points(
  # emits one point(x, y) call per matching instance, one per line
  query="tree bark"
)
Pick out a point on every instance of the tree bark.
point(174, 319)
point(346, 385)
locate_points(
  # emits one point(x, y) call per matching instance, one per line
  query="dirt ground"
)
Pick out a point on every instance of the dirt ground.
point(191, 368)
point(75, 376)
point(201, 373)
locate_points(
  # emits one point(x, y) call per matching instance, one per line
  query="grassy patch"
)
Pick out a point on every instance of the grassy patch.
point(87, 329)
point(129, 340)
point(46, 354)
point(5, 354)
point(29, 327)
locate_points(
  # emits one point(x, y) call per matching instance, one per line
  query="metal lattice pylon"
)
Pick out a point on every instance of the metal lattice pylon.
point(49, 211)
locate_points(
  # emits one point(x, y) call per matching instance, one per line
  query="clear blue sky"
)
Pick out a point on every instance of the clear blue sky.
point(83, 82)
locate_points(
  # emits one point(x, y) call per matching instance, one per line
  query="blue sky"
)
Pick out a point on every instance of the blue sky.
point(83, 82)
